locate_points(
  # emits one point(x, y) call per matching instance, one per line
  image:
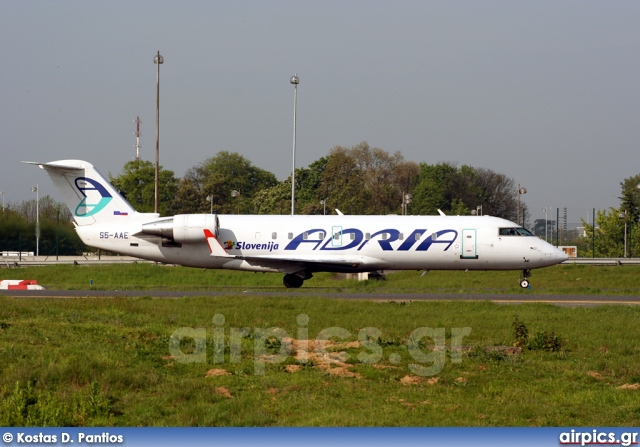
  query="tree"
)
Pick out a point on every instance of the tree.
point(189, 199)
point(57, 233)
point(540, 230)
point(498, 194)
point(432, 191)
point(310, 185)
point(277, 199)
point(343, 182)
point(46, 209)
point(456, 190)
point(274, 200)
point(380, 177)
point(216, 178)
point(609, 234)
point(630, 198)
point(137, 185)
point(365, 180)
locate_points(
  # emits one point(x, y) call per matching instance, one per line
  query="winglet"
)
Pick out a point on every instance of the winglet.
point(214, 246)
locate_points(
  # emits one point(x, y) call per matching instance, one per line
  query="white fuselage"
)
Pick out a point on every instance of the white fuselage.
point(294, 245)
point(335, 243)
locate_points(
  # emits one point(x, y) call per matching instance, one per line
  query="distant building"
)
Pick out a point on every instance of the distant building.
point(582, 231)
point(570, 250)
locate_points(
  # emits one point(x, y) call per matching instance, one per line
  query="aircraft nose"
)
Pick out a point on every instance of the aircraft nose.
point(550, 255)
point(558, 255)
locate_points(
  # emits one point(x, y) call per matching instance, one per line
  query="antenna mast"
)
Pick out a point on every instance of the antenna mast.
point(137, 134)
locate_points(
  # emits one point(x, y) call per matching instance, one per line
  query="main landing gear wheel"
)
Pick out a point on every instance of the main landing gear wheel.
point(292, 281)
point(524, 282)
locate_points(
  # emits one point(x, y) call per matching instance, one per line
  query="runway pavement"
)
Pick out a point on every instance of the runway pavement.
point(565, 300)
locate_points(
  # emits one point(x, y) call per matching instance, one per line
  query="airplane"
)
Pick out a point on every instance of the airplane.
point(295, 245)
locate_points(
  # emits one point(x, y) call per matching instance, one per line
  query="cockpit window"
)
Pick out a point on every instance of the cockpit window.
point(515, 232)
point(524, 232)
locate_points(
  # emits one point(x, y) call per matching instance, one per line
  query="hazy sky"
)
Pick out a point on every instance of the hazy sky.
point(545, 92)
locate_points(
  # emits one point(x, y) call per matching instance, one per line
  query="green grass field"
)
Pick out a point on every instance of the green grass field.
point(563, 279)
point(125, 361)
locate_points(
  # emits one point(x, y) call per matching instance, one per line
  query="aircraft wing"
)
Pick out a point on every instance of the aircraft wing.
point(291, 265)
point(296, 263)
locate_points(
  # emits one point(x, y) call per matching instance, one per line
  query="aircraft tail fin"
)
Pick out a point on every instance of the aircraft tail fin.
point(87, 194)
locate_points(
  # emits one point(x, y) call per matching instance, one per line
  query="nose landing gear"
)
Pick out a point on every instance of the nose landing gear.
point(524, 281)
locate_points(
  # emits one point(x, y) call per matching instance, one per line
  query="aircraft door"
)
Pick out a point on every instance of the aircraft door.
point(469, 249)
point(336, 236)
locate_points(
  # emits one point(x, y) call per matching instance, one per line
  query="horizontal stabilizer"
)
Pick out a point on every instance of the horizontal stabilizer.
point(56, 166)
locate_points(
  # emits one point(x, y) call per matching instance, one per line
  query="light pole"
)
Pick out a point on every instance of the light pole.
point(593, 221)
point(593, 235)
point(557, 227)
point(406, 200)
point(323, 202)
point(295, 81)
point(545, 223)
point(35, 189)
point(520, 192)
point(623, 215)
point(2, 193)
point(210, 199)
point(236, 193)
point(556, 230)
point(634, 218)
point(158, 60)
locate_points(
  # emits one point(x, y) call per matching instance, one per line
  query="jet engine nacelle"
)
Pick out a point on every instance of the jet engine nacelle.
point(184, 228)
